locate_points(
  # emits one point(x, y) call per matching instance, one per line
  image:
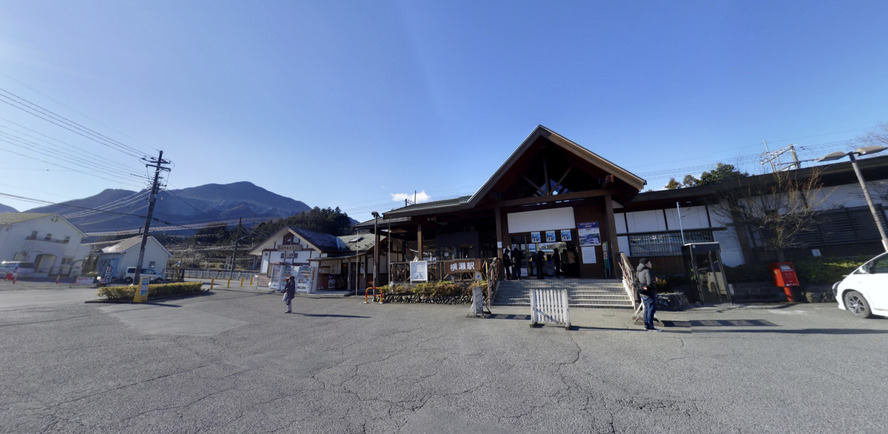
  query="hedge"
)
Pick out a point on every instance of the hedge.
point(154, 290)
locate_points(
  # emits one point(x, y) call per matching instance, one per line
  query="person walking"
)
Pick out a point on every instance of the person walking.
point(290, 289)
point(648, 292)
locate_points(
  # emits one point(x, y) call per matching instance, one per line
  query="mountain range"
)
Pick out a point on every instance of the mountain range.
point(186, 209)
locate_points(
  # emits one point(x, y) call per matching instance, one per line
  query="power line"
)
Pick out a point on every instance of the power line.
point(63, 122)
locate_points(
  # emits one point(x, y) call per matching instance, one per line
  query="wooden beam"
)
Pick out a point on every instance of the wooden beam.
point(535, 187)
point(546, 176)
point(612, 235)
point(566, 172)
point(419, 240)
point(497, 213)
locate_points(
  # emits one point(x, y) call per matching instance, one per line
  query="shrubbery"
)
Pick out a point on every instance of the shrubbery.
point(814, 270)
point(441, 292)
point(825, 269)
point(154, 290)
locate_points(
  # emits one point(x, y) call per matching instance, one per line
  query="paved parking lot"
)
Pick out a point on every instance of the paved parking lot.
point(233, 361)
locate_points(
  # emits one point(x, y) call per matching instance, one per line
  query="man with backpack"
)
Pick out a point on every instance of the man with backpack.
point(647, 289)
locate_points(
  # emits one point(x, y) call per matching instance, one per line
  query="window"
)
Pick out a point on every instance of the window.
point(665, 243)
point(67, 240)
point(48, 237)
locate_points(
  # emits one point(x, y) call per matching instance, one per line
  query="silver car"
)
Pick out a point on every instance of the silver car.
point(23, 269)
point(864, 292)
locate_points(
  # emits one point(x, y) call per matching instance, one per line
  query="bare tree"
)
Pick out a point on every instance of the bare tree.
point(878, 137)
point(772, 211)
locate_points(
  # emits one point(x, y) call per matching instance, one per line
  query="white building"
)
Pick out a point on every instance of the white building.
point(50, 241)
point(321, 261)
point(125, 253)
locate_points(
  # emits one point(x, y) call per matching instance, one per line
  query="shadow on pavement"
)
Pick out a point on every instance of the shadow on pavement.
point(510, 316)
point(720, 323)
point(329, 315)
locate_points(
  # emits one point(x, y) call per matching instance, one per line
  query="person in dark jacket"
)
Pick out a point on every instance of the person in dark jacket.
point(648, 291)
point(517, 260)
point(507, 264)
point(290, 289)
point(538, 260)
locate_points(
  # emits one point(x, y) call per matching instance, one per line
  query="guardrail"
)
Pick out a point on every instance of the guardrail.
point(450, 270)
point(197, 273)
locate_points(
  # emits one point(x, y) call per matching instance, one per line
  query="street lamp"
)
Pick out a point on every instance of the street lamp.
point(375, 248)
point(852, 156)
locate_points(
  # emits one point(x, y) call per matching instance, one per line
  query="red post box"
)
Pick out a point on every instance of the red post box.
point(784, 277)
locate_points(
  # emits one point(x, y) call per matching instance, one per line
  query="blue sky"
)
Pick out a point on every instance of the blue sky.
point(349, 103)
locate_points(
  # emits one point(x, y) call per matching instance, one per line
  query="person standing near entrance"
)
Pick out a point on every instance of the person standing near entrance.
point(538, 259)
point(517, 260)
point(507, 263)
point(571, 262)
point(648, 292)
point(290, 289)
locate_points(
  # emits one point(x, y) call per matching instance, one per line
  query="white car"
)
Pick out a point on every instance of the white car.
point(147, 273)
point(864, 292)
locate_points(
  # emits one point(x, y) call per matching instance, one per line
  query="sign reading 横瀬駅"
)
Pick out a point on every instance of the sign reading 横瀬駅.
point(141, 294)
point(462, 266)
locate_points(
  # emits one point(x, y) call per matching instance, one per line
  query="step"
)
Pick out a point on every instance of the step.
point(581, 292)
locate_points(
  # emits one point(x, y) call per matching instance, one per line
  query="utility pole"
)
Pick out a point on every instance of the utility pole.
point(158, 165)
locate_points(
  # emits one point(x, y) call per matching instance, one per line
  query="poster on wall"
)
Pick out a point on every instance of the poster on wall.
point(589, 255)
point(565, 235)
point(419, 271)
point(550, 236)
point(589, 234)
point(535, 237)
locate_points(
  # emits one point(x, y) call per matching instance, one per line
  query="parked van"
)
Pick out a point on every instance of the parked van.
point(9, 267)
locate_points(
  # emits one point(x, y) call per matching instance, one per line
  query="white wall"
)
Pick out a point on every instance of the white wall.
point(541, 220)
point(645, 221)
point(692, 217)
point(15, 245)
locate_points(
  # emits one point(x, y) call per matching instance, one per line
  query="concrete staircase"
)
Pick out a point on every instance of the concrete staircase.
point(580, 292)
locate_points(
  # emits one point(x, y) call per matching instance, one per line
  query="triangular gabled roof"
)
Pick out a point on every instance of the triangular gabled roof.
point(123, 245)
point(558, 140)
point(11, 218)
point(321, 242)
point(525, 154)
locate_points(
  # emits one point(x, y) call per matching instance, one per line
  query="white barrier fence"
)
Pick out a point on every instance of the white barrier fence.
point(549, 306)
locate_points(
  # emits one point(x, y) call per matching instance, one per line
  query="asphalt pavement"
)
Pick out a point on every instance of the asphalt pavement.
point(231, 360)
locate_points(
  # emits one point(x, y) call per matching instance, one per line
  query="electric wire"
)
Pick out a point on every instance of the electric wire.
point(63, 122)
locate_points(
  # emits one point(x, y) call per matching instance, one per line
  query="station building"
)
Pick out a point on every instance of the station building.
point(552, 194)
